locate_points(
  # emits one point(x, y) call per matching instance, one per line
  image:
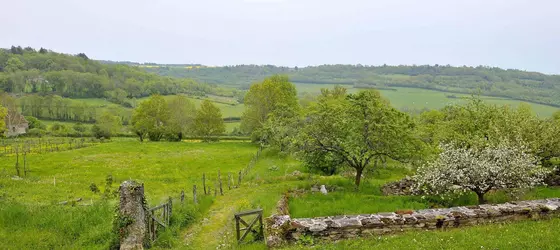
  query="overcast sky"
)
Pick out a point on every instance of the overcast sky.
point(505, 33)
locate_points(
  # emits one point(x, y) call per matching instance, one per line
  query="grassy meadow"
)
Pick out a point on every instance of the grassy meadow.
point(228, 107)
point(515, 235)
point(418, 99)
point(31, 218)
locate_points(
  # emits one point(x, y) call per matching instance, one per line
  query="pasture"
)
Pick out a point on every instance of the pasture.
point(408, 99)
point(32, 217)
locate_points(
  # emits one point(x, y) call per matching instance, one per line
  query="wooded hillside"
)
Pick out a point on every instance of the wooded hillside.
point(27, 71)
point(490, 81)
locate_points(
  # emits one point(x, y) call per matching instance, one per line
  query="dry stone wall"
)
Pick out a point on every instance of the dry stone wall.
point(283, 228)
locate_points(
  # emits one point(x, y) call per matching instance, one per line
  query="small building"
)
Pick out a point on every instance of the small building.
point(16, 124)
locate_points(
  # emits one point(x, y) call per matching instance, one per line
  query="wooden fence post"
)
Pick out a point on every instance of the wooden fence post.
point(182, 196)
point(204, 182)
point(25, 162)
point(215, 189)
point(194, 194)
point(239, 181)
point(229, 181)
point(170, 210)
point(220, 183)
point(17, 160)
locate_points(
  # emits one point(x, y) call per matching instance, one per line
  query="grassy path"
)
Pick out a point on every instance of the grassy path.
point(262, 188)
point(217, 228)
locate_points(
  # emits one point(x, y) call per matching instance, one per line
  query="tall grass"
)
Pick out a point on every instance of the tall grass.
point(26, 226)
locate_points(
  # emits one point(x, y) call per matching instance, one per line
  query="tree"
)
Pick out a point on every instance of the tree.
point(3, 113)
point(182, 113)
point(34, 123)
point(556, 116)
point(150, 118)
point(14, 64)
point(280, 128)
point(478, 124)
point(264, 97)
point(79, 127)
point(355, 129)
point(479, 170)
point(208, 121)
point(106, 125)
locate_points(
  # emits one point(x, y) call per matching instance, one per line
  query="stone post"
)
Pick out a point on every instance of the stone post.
point(134, 226)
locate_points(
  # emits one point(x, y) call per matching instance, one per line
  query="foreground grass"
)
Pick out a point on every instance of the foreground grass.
point(261, 188)
point(517, 235)
point(31, 218)
point(26, 226)
point(165, 168)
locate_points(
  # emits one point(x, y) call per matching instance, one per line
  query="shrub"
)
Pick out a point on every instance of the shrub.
point(36, 132)
point(99, 133)
point(35, 123)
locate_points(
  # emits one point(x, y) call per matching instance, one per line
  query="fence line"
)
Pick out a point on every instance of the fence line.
point(40, 146)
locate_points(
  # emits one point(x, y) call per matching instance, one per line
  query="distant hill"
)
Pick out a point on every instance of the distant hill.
point(491, 81)
point(30, 71)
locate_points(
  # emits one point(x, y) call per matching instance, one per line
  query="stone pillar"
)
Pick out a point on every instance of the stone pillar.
point(133, 229)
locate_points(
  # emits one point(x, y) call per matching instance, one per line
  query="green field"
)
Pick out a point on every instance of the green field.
point(418, 99)
point(97, 102)
point(518, 235)
point(30, 217)
point(228, 110)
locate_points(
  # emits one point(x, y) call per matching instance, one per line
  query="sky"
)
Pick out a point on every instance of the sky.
point(519, 34)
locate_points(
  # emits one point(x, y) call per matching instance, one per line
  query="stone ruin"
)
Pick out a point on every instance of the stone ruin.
point(402, 187)
point(281, 228)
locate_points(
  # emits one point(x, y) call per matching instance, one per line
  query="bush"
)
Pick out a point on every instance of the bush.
point(35, 123)
point(99, 133)
point(79, 127)
point(58, 128)
point(36, 132)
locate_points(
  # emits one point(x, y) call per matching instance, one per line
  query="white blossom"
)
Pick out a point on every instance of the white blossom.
point(460, 169)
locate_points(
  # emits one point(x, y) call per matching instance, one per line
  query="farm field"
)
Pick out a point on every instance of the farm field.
point(418, 99)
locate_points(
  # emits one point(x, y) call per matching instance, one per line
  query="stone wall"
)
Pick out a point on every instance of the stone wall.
point(401, 187)
point(350, 226)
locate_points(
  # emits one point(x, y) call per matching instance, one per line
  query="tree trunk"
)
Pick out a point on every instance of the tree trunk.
point(481, 199)
point(358, 176)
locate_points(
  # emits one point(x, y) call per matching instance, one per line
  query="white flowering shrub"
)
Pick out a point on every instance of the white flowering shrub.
point(460, 170)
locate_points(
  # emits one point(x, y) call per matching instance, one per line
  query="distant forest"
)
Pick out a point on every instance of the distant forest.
point(50, 85)
point(30, 71)
point(514, 84)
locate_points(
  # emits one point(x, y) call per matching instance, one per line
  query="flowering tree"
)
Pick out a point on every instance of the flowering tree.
point(461, 169)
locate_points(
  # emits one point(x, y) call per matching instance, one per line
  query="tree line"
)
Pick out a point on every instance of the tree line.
point(45, 72)
point(490, 81)
point(157, 119)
